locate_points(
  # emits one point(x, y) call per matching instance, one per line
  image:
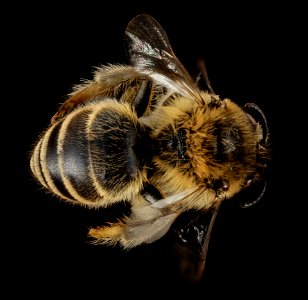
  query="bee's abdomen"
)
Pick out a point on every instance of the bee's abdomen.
point(89, 156)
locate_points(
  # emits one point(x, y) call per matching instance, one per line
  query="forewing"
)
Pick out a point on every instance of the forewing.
point(150, 52)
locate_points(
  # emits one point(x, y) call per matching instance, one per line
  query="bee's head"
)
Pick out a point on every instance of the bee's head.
point(243, 148)
point(227, 146)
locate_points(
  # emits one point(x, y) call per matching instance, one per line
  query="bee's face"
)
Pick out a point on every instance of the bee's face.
point(210, 143)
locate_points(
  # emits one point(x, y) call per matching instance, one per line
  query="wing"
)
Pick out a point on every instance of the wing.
point(150, 52)
point(192, 231)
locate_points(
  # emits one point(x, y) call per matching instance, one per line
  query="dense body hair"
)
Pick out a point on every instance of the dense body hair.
point(146, 134)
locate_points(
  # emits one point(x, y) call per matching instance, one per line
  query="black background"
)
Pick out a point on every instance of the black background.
point(249, 52)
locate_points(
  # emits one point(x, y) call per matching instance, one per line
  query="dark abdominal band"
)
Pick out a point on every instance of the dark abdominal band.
point(52, 160)
point(75, 157)
point(114, 160)
point(100, 154)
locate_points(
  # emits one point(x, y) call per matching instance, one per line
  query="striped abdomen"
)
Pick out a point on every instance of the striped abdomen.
point(89, 156)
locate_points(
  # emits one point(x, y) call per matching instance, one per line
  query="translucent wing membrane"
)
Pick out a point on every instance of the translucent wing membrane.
point(149, 51)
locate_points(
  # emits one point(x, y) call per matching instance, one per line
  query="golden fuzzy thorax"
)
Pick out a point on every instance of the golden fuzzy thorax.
point(202, 163)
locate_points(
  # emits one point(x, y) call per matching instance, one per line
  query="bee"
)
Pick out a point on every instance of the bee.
point(145, 134)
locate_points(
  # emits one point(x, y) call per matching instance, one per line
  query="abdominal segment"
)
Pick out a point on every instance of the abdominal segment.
point(89, 156)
